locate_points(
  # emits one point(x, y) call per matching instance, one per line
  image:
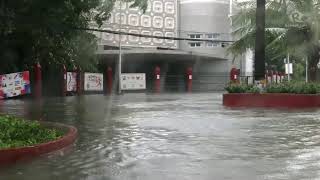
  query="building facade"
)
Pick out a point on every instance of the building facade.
point(192, 19)
point(160, 19)
point(203, 19)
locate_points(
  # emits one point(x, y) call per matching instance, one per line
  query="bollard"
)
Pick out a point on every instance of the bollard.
point(189, 79)
point(157, 83)
point(64, 81)
point(38, 81)
point(109, 79)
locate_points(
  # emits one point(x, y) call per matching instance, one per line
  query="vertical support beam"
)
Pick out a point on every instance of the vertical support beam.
point(189, 79)
point(38, 81)
point(157, 79)
point(259, 64)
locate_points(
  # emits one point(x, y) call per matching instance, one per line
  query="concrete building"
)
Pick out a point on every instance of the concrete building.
point(194, 19)
point(160, 19)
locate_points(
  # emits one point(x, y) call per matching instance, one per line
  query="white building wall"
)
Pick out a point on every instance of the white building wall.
point(160, 19)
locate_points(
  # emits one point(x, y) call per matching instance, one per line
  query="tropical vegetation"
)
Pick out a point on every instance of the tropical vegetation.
point(292, 27)
point(50, 32)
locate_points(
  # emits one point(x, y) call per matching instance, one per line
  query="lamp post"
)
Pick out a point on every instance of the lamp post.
point(120, 49)
point(259, 63)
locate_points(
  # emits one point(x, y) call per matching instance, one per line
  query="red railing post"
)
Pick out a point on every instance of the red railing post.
point(38, 81)
point(109, 79)
point(64, 81)
point(157, 79)
point(79, 81)
point(189, 79)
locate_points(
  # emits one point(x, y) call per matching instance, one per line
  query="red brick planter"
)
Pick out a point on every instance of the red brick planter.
point(272, 100)
point(10, 156)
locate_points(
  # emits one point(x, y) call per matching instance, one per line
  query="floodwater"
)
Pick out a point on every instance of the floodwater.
point(173, 136)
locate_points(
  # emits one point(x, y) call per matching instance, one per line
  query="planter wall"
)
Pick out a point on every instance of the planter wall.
point(10, 156)
point(272, 100)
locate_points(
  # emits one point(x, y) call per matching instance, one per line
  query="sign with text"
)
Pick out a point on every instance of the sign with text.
point(15, 84)
point(71, 81)
point(93, 82)
point(133, 81)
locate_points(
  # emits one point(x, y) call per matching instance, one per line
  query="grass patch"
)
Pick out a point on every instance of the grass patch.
point(15, 132)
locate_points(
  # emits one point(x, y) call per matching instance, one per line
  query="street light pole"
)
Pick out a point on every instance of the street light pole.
point(120, 49)
point(288, 66)
point(307, 64)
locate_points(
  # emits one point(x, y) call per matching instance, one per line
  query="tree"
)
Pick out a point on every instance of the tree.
point(292, 26)
point(45, 31)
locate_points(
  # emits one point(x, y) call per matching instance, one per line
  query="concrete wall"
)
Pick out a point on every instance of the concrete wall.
point(205, 17)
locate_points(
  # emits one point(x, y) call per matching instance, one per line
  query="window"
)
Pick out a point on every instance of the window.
point(224, 44)
point(213, 35)
point(195, 44)
point(195, 36)
point(158, 7)
point(212, 44)
point(169, 7)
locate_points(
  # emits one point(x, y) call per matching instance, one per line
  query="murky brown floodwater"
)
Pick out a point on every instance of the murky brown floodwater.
point(178, 136)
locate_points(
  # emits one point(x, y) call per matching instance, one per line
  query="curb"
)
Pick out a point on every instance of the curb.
point(11, 156)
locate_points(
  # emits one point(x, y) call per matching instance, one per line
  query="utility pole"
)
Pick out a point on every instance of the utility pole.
point(259, 62)
point(120, 49)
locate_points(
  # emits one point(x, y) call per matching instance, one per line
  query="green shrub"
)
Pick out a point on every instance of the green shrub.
point(240, 88)
point(294, 88)
point(287, 87)
point(16, 132)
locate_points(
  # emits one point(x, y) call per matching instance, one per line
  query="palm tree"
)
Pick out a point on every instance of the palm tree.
point(292, 26)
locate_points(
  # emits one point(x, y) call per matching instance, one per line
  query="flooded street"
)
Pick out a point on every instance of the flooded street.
point(173, 136)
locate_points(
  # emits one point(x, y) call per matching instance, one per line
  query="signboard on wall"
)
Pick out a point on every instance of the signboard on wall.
point(71, 81)
point(133, 81)
point(15, 84)
point(93, 82)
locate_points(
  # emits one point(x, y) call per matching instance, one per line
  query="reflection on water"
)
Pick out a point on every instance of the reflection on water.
point(180, 136)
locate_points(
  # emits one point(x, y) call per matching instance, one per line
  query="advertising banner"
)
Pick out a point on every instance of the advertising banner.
point(15, 84)
point(71, 81)
point(133, 81)
point(93, 82)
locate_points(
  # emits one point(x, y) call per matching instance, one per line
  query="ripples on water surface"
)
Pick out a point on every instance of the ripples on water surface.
point(178, 136)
